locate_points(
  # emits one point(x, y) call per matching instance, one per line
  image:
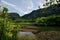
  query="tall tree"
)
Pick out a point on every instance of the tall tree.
point(5, 10)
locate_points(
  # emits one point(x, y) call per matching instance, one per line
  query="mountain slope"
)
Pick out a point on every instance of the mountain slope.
point(13, 16)
point(55, 9)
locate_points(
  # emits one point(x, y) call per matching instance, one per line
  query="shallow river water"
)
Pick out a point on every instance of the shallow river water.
point(26, 36)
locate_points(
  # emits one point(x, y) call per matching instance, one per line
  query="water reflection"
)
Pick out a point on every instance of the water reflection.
point(26, 36)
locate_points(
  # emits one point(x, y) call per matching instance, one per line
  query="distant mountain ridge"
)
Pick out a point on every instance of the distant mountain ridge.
point(51, 10)
point(13, 16)
point(54, 9)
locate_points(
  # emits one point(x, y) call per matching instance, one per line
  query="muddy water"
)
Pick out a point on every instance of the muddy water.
point(26, 36)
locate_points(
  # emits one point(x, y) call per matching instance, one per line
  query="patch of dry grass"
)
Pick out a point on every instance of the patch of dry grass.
point(49, 35)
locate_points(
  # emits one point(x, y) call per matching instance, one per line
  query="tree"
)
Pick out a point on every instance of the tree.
point(41, 21)
point(8, 28)
point(5, 10)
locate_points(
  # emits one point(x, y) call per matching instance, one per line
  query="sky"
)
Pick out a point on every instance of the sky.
point(22, 7)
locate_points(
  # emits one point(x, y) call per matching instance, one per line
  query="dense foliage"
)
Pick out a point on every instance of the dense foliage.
point(13, 16)
point(8, 29)
point(53, 20)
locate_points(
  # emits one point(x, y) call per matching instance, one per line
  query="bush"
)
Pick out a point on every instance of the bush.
point(50, 20)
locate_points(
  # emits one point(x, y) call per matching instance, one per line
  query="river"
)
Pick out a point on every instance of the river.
point(26, 36)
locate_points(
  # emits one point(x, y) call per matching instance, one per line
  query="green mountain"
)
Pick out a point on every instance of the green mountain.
point(13, 16)
point(51, 10)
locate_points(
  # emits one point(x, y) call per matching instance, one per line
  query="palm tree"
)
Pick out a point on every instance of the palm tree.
point(5, 10)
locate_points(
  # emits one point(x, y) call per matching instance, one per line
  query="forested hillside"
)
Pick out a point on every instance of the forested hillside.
point(42, 16)
point(13, 16)
point(51, 10)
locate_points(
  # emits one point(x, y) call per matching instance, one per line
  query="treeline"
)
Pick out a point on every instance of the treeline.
point(53, 20)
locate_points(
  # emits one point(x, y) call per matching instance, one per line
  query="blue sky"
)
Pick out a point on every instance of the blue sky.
point(22, 7)
point(0, 1)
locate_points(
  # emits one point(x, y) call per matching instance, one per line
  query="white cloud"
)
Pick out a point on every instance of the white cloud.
point(14, 6)
point(4, 2)
point(28, 3)
point(25, 12)
point(31, 5)
point(40, 3)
